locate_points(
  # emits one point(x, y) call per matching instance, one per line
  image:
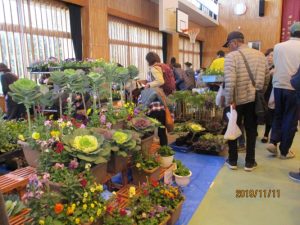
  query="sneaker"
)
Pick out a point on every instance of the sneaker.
point(295, 176)
point(290, 155)
point(250, 166)
point(264, 140)
point(272, 148)
point(231, 165)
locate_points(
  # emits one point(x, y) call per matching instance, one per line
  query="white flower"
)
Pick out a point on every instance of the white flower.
point(60, 120)
point(69, 124)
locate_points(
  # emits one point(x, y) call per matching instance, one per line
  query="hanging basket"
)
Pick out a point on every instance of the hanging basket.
point(31, 155)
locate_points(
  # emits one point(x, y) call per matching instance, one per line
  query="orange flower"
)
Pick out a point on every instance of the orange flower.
point(58, 208)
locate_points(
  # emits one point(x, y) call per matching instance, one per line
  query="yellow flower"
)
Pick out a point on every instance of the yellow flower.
point(41, 222)
point(73, 206)
point(92, 205)
point(92, 189)
point(99, 187)
point(88, 166)
point(55, 134)
point(70, 211)
point(131, 192)
point(92, 219)
point(85, 143)
point(88, 112)
point(51, 117)
point(85, 194)
point(114, 193)
point(99, 211)
point(84, 200)
point(77, 220)
point(84, 206)
point(104, 208)
point(138, 165)
point(35, 135)
point(21, 137)
point(63, 125)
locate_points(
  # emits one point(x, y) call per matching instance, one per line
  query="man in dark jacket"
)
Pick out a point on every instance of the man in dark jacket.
point(13, 110)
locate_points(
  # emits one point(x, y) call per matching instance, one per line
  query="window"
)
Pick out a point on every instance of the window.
point(189, 52)
point(129, 43)
point(32, 30)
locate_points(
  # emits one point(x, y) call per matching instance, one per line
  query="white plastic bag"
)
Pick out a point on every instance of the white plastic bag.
point(271, 103)
point(218, 97)
point(233, 131)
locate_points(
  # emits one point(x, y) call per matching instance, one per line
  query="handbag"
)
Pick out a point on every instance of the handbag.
point(295, 80)
point(169, 120)
point(261, 106)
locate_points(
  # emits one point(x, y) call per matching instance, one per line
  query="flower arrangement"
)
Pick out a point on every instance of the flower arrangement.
point(86, 145)
point(83, 205)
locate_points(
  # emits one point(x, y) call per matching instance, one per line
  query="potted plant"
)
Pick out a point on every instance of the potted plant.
point(166, 156)
point(145, 126)
point(182, 174)
point(121, 143)
point(144, 169)
point(118, 217)
point(116, 117)
point(88, 146)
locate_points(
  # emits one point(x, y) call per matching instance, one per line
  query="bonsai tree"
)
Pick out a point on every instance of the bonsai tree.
point(25, 91)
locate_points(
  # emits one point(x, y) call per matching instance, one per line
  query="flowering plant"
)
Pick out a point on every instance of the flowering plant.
point(143, 163)
point(195, 128)
point(118, 217)
point(86, 145)
point(143, 125)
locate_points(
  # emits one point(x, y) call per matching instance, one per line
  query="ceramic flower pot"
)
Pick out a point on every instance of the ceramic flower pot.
point(182, 180)
point(99, 172)
point(140, 176)
point(31, 155)
point(116, 163)
point(166, 161)
point(175, 214)
point(146, 144)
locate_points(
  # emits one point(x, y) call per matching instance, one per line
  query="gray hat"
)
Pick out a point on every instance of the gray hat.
point(233, 35)
point(295, 27)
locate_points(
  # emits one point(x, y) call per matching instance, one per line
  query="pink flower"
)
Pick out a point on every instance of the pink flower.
point(48, 123)
point(59, 166)
point(108, 125)
point(46, 177)
point(82, 126)
point(103, 119)
point(73, 164)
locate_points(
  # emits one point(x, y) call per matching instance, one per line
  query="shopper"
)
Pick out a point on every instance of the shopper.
point(155, 107)
point(13, 110)
point(240, 92)
point(189, 79)
point(269, 97)
point(218, 63)
point(179, 74)
point(284, 126)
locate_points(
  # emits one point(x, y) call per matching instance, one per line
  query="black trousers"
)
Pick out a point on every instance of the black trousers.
point(162, 134)
point(247, 117)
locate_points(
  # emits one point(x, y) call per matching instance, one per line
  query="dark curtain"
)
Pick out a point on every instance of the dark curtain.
point(290, 14)
point(165, 46)
point(75, 20)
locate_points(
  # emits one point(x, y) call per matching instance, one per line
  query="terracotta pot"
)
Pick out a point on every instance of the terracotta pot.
point(31, 155)
point(175, 214)
point(100, 172)
point(146, 145)
point(166, 161)
point(116, 163)
point(182, 180)
point(141, 176)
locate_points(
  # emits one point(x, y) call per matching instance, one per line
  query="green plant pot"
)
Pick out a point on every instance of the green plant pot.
point(141, 176)
point(100, 172)
point(31, 155)
point(146, 145)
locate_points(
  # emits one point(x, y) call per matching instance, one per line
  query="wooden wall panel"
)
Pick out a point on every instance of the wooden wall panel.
point(140, 11)
point(265, 29)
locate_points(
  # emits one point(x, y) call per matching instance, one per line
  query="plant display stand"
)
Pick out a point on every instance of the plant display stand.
point(100, 172)
point(140, 176)
point(146, 145)
point(117, 163)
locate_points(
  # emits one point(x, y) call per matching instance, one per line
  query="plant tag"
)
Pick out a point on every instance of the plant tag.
point(168, 175)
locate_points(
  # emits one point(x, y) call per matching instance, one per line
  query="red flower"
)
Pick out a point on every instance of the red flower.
point(58, 208)
point(83, 182)
point(129, 117)
point(59, 147)
point(154, 183)
point(123, 212)
point(146, 192)
point(109, 209)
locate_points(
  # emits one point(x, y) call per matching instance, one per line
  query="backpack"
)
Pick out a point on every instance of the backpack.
point(169, 86)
